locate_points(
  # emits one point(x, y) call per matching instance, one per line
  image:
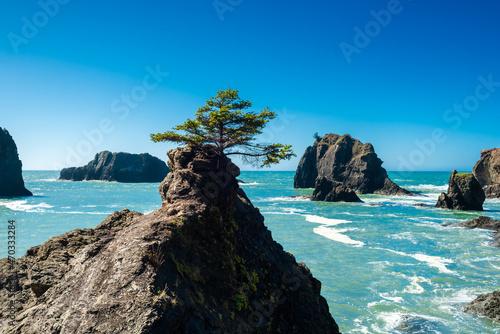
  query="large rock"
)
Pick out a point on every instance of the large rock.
point(202, 263)
point(11, 175)
point(348, 161)
point(487, 305)
point(464, 193)
point(332, 191)
point(487, 172)
point(120, 167)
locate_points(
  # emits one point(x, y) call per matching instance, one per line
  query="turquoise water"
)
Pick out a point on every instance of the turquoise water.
point(385, 265)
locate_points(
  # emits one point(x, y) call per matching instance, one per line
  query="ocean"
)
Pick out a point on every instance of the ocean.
point(386, 266)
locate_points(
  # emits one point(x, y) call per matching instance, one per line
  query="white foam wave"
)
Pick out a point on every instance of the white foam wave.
point(404, 236)
point(432, 261)
point(287, 199)
point(336, 235)
point(24, 206)
point(428, 187)
point(415, 287)
point(249, 184)
point(325, 221)
point(48, 180)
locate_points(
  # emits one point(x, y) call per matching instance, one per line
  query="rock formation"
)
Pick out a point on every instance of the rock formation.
point(464, 193)
point(202, 263)
point(487, 305)
point(11, 175)
point(487, 172)
point(345, 160)
point(120, 167)
point(332, 191)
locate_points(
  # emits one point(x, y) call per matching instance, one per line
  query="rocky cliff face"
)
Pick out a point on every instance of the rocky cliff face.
point(487, 172)
point(203, 263)
point(120, 167)
point(11, 177)
point(345, 160)
point(464, 193)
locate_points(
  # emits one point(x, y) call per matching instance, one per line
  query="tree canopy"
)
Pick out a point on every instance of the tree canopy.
point(222, 122)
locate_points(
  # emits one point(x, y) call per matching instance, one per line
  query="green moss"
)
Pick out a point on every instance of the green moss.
point(464, 175)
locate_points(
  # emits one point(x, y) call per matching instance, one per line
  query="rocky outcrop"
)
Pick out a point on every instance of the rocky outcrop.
point(464, 193)
point(202, 263)
point(332, 191)
point(487, 305)
point(485, 223)
point(11, 175)
point(487, 172)
point(119, 167)
point(345, 160)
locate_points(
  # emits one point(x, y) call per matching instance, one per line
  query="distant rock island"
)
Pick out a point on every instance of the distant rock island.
point(342, 165)
point(487, 172)
point(119, 167)
point(202, 263)
point(11, 175)
point(464, 193)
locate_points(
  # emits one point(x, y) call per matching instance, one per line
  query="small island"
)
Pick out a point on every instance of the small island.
point(11, 174)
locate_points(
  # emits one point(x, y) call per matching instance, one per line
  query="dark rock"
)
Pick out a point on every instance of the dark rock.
point(487, 172)
point(348, 161)
point(485, 223)
point(487, 305)
point(464, 193)
point(421, 205)
point(120, 167)
point(202, 263)
point(332, 191)
point(11, 175)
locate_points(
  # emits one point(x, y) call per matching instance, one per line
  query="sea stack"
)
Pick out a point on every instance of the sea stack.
point(202, 263)
point(345, 161)
point(487, 172)
point(11, 175)
point(464, 193)
point(119, 167)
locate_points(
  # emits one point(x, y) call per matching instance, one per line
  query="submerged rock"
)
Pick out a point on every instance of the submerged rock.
point(345, 160)
point(202, 263)
point(120, 167)
point(487, 172)
point(485, 223)
point(487, 305)
point(464, 193)
point(11, 174)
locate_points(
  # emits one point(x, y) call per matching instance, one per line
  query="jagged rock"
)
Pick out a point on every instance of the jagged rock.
point(487, 305)
point(464, 193)
point(332, 191)
point(348, 161)
point(120, 167)
point(11, 175)
point(487, 172)
point(485, 223)
point(202, 263)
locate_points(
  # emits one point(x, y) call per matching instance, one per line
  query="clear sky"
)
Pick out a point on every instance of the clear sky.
point(420, 79)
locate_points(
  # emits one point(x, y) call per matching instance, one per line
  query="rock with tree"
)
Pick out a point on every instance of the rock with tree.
point(343, 160)
point(119, 167)
point(487, 172)
point(11, 174)
point(464, 193)
point(202, 263)
point(224, 123)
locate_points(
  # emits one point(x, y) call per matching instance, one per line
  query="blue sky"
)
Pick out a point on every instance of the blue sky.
point(420, 79)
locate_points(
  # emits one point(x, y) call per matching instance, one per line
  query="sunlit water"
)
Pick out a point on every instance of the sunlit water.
point(385, 265)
